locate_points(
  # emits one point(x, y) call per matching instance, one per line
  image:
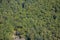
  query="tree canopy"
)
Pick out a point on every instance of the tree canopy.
point(34, 19)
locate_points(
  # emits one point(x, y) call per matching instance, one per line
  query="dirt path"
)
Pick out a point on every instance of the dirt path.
point(17, 37)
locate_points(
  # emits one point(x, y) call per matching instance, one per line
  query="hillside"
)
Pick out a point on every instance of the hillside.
point(31, 19)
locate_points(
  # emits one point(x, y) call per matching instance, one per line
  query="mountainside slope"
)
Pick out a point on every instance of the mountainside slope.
point(31, 19)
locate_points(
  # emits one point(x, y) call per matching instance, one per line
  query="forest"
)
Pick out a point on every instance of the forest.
point(30, 19)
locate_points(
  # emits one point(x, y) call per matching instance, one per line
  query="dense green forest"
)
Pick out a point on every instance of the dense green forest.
point(33, 19)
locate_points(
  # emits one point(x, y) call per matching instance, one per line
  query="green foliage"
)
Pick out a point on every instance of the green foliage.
point(34, 19)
